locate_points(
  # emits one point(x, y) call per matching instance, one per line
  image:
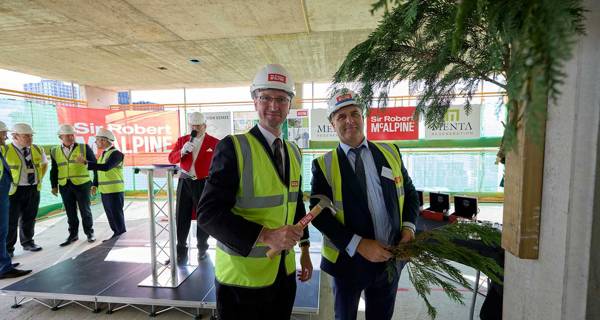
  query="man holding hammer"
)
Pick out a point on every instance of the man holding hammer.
point(376, 206)
point(251, 201)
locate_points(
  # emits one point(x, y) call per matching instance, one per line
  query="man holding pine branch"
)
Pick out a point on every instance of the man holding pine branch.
point(377, 206)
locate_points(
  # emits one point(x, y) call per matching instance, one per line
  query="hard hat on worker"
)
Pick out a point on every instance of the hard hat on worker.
point(273, 76)
point(342, 98)
point(3, 126)
point(66, 129)
point(22, 128)
point(104, 133)
point(196, 119)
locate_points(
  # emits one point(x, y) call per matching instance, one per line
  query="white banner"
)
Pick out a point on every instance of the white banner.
point(218, 124)
point(243, 121)
point(458, 125)
point(320, 128)
point(297, 125)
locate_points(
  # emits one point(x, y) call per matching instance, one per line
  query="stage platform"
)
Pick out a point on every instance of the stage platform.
point(106, 277)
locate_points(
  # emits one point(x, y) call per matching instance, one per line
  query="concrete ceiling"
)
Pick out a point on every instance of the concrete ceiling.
point(120, 44)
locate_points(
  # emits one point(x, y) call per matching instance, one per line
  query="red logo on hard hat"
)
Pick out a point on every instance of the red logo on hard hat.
point(277, 77)
point(344, 97)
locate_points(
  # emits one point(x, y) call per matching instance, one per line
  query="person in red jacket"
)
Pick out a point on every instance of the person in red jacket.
point(193, 152)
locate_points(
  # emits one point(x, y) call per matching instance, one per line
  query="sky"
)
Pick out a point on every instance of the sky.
point(15, 80)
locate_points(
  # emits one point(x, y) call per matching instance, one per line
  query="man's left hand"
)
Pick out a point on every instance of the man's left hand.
point(305, 273)
point(407, 235)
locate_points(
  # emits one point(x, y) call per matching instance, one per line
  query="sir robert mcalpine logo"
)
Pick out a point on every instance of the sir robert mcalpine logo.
point(343, 98)
point(294, 183)
point(277, 77)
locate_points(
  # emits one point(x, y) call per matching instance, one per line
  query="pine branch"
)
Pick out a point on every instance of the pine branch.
point(429, 254)
point(447, 43)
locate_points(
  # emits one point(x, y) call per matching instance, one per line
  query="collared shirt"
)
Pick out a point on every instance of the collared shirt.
point(23, 178)
point(67, 150)
point(376, 202)
point(270, 139)
point(197, 142)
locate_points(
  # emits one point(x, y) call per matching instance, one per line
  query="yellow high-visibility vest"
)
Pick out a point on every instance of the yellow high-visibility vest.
point(16, 165)
point(68, 168)
point(330, 166)
point(263, 198)
point(110, 181)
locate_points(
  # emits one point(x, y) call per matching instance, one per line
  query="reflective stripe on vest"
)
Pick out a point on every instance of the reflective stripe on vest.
point(68, 168)
point(330, 166)
point(264, 199)
point(15, 164)
point(110, 181)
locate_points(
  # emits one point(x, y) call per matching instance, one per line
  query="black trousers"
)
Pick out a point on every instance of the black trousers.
point(113, 207)
point(21, 214)
point(74, 196)
point(273, 302)
point(188, 196)
point(380, 296)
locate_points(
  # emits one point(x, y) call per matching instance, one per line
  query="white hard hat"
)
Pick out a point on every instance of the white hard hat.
point(104, 133)
point(196, 119)
point(342, 98)
point(3, 126)
point(22, 128)
point(273, 76)
point(66, 129)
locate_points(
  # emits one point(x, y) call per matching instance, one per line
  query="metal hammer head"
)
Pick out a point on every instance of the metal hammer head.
point(324, 202)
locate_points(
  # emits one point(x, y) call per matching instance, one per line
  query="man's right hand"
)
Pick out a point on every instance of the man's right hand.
point(93, 190)
point(283, 238)
point(55, 192)
point(188, 147)
point(373, 250)
point(81, 160)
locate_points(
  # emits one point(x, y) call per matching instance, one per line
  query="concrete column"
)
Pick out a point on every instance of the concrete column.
point(564, 282)
point(296, 104)
point(99, 97)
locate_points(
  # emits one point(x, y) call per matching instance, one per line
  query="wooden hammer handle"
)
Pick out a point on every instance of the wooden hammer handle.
point(316, 210)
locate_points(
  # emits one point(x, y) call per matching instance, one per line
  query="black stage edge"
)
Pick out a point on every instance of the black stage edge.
point(110, 273)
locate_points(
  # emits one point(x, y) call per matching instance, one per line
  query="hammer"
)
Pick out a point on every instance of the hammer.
point(324, 202)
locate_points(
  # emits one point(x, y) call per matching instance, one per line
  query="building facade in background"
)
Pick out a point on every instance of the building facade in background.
point(54, 88)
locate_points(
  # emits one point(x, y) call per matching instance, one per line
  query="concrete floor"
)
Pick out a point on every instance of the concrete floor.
point(52, 231)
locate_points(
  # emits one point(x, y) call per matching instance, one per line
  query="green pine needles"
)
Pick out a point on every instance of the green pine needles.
point(429, 254)
point(450, 46)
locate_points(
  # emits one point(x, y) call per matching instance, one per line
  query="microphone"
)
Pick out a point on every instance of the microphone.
point(193, 134)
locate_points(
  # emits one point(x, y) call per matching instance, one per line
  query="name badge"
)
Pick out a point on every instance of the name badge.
point(387, 173)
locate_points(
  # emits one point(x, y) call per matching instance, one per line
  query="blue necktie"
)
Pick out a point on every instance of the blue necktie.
point(359, 168)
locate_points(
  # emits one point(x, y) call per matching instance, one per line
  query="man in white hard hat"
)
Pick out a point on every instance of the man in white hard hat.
point(109, 181)
point(7, 268)
point(193, 152)
point(379, 210)
point(28, 164)
point(251, 201)
point(73, 181)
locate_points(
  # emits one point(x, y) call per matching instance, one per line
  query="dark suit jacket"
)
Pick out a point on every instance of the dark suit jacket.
point(219, 196)
point(357, 218)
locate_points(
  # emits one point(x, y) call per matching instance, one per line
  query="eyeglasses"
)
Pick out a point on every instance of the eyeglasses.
point(277, 100)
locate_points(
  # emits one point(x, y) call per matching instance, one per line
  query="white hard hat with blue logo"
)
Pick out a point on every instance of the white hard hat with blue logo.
point(342, 98)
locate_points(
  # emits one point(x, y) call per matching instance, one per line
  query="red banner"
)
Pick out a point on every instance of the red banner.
point(392, 124)
point(145, 137)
